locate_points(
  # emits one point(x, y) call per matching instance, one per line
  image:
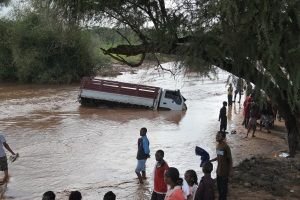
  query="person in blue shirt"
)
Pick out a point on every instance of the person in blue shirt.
point(143, 154)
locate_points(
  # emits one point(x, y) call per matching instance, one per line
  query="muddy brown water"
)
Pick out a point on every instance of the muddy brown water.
point(65, 147)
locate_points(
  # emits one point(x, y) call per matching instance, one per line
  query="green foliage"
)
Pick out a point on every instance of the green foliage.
point(36, 49)
point(7, 67)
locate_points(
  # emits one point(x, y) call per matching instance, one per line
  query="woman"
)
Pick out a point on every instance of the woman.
point(174, 182)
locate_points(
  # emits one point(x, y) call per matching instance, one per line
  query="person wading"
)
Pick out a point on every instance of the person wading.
point(143, 154)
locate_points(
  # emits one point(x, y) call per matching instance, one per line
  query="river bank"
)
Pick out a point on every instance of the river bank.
point(264, 174)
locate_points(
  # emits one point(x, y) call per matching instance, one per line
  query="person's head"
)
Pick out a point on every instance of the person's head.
point(220, 136)
point(159, 155)
point(49, 195)
point(143, 131)
point(207, 168)
point(172, 177)
point(75, 195)
point(230, 84)
point(191, 177)
point(224, 103)
point(109, 196)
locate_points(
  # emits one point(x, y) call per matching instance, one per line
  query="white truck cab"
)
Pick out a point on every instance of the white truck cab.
point(172, 100)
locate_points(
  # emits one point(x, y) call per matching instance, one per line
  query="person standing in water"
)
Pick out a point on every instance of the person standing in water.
point(224, 168)
point(223, 117)
point(143, 154)
point(160, 187)
point(3, 158)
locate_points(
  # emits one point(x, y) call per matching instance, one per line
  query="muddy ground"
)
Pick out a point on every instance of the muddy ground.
point(265, 174)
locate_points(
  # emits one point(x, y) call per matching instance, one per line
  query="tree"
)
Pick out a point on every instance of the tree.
point(257, 40)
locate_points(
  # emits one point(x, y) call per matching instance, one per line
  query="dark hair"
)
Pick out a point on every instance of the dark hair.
point(109, 196)
point(161, 152)
point(75, 195)
point(207, 168)
point(144, 130)
point(224, 103)
point(49, 195)
point(193, 175)
point(173, 174)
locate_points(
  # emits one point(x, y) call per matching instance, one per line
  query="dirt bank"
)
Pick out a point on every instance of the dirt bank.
point(264, 175)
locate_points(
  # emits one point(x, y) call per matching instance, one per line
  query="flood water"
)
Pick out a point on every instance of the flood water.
point(65, 147)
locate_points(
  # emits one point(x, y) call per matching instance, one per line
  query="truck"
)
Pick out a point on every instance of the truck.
point(96, 91)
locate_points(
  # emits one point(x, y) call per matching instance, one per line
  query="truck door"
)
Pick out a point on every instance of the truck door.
point(171, 100)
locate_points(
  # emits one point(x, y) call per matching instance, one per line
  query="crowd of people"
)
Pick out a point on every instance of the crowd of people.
point(168, 185)
point(255, 108)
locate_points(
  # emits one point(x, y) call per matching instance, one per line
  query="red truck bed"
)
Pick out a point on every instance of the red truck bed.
point(102, 85)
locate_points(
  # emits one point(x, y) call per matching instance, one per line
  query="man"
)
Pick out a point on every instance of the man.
point(143, 154)
point(230, 90)
point(224, 168)
point(239, 89)
point(160, 187)
point(223, 117)
point(3, 158)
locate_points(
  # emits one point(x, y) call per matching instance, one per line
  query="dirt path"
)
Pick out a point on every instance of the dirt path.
point(264, 175)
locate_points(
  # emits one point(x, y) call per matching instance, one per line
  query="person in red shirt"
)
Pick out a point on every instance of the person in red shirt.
point(160, 187)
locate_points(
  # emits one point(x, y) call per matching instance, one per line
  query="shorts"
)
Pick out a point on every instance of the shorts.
point(141, 166)
point(3, 163)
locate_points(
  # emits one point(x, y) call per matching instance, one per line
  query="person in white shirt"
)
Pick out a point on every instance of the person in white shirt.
point(3, 158)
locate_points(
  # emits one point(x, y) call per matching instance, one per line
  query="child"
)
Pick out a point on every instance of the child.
point(175, 182)
point(142, 155)
point(192, 180)
point(109, 196)
point(160, 187)
point(223, 117)
point(205, 190)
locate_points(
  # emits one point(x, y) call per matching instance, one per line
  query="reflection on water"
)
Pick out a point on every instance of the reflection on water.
point(65, 147)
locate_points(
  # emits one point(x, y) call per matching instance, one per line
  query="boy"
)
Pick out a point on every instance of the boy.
point(3, 158)
point(205, 189)
point(160, 187)
point(143, 154)
point(223, 117)
point(224, 168)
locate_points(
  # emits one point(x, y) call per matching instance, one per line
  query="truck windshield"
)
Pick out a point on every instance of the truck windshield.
point(174, 95)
